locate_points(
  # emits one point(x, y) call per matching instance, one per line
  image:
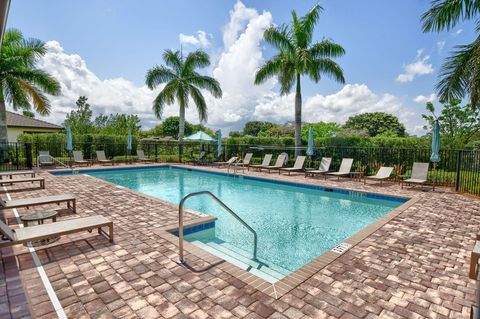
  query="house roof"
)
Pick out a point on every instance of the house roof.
point(18, 120)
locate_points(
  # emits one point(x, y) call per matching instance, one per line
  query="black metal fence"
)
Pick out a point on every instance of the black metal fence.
point(457, 168)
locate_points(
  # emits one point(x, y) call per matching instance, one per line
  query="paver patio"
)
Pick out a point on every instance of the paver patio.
point(414, 266)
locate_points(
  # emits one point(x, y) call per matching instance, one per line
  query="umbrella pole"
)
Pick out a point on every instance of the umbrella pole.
point(434, 174)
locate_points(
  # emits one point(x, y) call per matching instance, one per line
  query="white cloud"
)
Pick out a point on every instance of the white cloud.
point(422, 99)
point(419, 66)
point(201, 39)
point(440, 46)
point(240, 57)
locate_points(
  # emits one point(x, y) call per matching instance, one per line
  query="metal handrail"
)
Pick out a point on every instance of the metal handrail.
point(181, 260)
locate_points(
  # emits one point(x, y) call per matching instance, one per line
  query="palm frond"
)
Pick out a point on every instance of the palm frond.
point(279, 37)
point(286, 77)
point(270, 69)
point(200, 103)
point(173, 59)
point(15, 95)
point(308, 23)
point(325, 66)
point(208, 83)
point(326, 49)
point(39, 78)
point(165, 97)
point(456, 79)
point(445, 14)
point(39, 100)
point(196, 59)
point(158, 75)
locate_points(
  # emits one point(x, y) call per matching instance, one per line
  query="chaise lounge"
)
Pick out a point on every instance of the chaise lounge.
point(11, 174)
point(323, 169)
point(278, 163)
point(419, 174)
point(141, 157)
point(345, 168)
point(102, 159)
point(45, 231)
point(265, 162)
point(23, 180)
point(297, 166)
point(35, 201)
point(78, 159)
point(382, 174)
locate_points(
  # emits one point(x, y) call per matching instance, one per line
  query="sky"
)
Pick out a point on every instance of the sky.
point(103, 48)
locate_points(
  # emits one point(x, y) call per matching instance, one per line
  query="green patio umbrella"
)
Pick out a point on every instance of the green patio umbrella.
point(200, 137)
point(435, 157)
point(310, 150)
point(219, 144)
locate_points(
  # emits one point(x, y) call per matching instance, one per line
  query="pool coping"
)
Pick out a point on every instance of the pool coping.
point(289, 282)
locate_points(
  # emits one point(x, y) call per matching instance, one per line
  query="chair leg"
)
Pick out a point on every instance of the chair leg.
point(110, 232)
point(473, 265)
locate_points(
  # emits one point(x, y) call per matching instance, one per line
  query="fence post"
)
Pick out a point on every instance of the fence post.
point(156, 152)
point(16, 156)
point(28, 155)
point(459, 166)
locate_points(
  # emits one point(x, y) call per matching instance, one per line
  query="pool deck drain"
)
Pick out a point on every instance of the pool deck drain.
point(413, 265)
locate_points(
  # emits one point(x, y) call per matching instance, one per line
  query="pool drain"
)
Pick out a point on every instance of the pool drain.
point(341, 248)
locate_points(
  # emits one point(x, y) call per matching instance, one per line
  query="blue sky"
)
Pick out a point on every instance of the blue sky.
point(119, 40)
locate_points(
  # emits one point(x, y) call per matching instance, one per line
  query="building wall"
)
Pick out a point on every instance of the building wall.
point(14, 132)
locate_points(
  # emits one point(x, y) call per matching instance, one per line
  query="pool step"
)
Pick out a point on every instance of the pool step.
point(256, 268)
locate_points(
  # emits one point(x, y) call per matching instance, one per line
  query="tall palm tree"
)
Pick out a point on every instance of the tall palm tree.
point(22, 85)
point(297, 57)
point(460, 74)
point(182, 83)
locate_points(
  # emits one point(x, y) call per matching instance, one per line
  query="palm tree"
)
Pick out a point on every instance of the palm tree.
point(22, 85)
point(460, 74)
point(182, 83)
point(297, 57)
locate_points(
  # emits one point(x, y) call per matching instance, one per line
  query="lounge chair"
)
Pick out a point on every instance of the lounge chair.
point(246, 160)
point(231, 161)
point(102, 159)
point(23, 180)
point(345, 168)
point(78, 158)
point(45, 231)
point(474, 257)
point(141, 157)
point(419, 174)
point(199, 160)
point(35, 201)
point(382, 174)
point(13, 173)
point(297, 166)
point(44, 159)
point(278, 163)
point(323, 169)
point(266, 161)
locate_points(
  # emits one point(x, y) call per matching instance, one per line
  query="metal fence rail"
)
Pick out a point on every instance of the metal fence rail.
point(459, 169)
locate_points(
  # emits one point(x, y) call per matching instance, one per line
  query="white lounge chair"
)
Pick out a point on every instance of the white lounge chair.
point(246, 160)
point(102, 159)
point(13, 173)
point(278, 163)
point(44, 159)
point(382, 174)
point(78, 158)
point(199, 160)
point(45, 231)
point(297, 166)
point(141, 157)
point(266, 161)
point(36, 201)
point(419, 174)
point(23, 180)
point(345, 168)
point(323, 169)
point(231, 161)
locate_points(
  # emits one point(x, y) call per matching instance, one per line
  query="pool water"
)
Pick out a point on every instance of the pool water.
point(294, 224)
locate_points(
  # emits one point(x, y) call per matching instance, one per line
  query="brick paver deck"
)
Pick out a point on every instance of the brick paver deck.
point(414, 266)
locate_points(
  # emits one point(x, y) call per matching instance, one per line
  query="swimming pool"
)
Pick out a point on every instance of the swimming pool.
point(295, 223)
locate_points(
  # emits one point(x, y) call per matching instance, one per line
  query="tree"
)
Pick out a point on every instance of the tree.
point(170, 127)
point(376, 123)
point(22, 85)
point(118, 124)
point(80, 120)
point(29, 114)
point(235, 134)
point(460, 74)
point(321, 129)
point(182, 83)
point(252, 128)
point(298, 56)
point(459, 125)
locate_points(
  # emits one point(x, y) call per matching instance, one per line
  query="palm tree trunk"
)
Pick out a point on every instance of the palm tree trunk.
point(181, 131)
point(3, 121)
point(298, 117)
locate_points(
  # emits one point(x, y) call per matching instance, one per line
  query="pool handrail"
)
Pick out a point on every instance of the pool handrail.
point(181, 259)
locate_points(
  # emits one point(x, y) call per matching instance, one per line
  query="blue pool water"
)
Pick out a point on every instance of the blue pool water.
point(295, 224)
